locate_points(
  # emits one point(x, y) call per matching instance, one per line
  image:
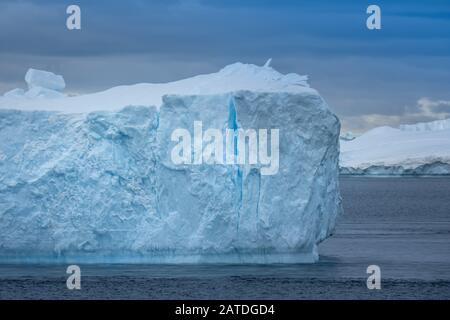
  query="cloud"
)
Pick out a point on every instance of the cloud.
point(366, 77)
point(425, 110)
point(434, 108)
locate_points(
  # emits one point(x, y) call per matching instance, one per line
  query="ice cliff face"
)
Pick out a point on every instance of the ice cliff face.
point(101, 186)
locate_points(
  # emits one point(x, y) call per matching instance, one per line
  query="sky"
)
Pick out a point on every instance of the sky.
point(398, 74)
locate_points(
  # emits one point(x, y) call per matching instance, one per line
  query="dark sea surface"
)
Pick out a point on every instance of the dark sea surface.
point(400, 224)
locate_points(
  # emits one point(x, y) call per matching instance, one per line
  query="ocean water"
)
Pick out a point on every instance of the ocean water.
point(400, 224)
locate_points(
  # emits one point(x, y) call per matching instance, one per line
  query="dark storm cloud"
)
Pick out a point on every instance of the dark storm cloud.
point(358, 71)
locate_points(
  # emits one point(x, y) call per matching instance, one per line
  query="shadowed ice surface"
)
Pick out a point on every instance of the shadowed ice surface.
point(399, 224)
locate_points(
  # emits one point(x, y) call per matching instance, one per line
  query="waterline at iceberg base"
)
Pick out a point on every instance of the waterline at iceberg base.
point(100, 187)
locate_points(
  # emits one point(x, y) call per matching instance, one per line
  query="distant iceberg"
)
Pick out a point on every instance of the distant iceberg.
point(14, 93)
point(436, 125)
point(348, 136)
point(44, 79)
point(418, 149)
point(41, 85)
point(89, 179)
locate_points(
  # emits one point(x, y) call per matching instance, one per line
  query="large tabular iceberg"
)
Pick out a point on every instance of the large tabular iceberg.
point(100, 186)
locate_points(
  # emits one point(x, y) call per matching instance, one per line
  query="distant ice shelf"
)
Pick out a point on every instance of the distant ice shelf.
point(419, 149)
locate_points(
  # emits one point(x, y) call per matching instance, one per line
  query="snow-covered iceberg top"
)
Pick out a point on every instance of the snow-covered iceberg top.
point(234, 77)
point(422, 148)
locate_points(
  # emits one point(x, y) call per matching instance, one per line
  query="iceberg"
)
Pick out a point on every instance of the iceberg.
point(348, 136)
point(101, 187)
point(436, 125)
point(43, 93)
point(44, 79)
point(234, 77)
point(15, 93)
point(41, 85)
point(417, 149)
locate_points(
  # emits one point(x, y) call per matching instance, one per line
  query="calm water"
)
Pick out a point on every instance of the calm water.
point(400, 224)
